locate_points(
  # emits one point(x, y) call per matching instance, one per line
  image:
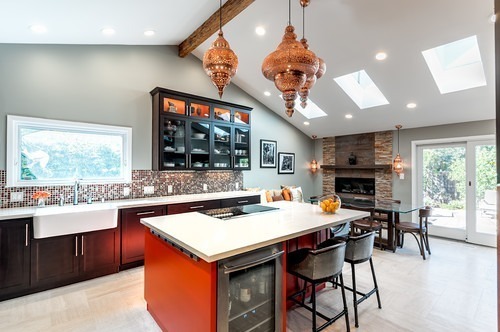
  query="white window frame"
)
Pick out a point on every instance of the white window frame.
point(15, 123)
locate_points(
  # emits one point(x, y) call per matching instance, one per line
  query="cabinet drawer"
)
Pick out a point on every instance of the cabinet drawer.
point(193, 206)
point(240, 201)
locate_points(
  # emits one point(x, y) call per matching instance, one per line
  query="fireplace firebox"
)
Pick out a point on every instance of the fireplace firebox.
point(364, 186)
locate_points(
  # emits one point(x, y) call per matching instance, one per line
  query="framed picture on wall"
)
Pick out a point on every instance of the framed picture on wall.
point(286, 163)
point(268, 153)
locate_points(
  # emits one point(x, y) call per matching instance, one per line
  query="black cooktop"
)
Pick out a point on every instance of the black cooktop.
point(235, 211)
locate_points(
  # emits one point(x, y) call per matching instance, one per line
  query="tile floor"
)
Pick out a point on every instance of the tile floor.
point(453, 290)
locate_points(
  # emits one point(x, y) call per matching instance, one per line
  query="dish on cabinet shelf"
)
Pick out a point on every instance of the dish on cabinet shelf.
point(169, 149)
point(199, 135)
point(197, 164)
point(169, 164)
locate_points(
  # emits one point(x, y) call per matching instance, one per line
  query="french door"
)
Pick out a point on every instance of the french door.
point(458, 179)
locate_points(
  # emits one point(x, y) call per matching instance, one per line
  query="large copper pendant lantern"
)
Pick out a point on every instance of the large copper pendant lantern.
point(219, 61)
point(289, 66)
point(311, 80)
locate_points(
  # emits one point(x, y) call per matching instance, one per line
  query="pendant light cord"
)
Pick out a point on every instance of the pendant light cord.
point(398, 140)
point(220, 15)
point(289, 12)
point(303, 22)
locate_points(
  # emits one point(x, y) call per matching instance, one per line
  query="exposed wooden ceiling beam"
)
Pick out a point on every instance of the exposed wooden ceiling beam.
point(229, 11)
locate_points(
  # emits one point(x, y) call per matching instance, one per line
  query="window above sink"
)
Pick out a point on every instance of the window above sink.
point(53, 152)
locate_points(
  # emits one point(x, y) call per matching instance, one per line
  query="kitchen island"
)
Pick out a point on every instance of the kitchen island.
point(183, 251)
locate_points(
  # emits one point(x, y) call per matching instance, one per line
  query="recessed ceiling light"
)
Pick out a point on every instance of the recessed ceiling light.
point(260, 31)
point(381, 56)
point(108, 31)
point(306, 123)
point(267, 93)
point(348, 116)
point(493, 18)
point(411, 105)
point(149, 33)
point(38, 28)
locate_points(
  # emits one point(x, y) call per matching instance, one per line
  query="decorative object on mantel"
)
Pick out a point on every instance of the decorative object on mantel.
point(352, 159)
point(289, 66)
point(398, 162)
point(40, 197)
point(286, 163)
point(268, 153)
point(314, 163)
point(304, 90)
point(219, 61)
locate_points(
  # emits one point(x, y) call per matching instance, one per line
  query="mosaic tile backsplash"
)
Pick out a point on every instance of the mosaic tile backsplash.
point(189, 182)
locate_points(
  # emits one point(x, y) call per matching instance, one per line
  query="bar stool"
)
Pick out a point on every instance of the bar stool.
point(422, 229)
point(367, 224)
point(315, 267)
point(359, 249)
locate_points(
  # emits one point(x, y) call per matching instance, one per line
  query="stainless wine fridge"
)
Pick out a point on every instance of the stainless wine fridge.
point(249, 291)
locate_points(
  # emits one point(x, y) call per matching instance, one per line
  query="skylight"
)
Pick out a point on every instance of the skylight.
point(456, 66)
point(311, 111)
point(361, 89)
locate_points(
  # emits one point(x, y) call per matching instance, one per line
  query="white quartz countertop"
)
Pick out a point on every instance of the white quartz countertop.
point(27, 212)
point(213, 239)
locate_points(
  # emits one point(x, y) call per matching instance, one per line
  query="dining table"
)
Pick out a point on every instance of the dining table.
point(393, 211)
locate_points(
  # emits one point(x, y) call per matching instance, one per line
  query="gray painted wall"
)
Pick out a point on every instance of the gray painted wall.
point(111, 84)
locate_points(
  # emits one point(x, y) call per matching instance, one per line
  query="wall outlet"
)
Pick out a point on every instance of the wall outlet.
point(170, 189)
point(126, 192)
point(16, 197)
point(149, 190)
point(237, 186)
point(205, 187)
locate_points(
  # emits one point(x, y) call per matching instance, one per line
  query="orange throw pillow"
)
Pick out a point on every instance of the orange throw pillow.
point(287, 196)
point(277, 198)
point(269, 197)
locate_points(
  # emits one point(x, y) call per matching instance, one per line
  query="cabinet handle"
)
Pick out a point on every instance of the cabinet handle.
point(83, 241)
point(241, 202)
point(197, 207)
point(144, 213)
point(27, 235)
point(76, 246)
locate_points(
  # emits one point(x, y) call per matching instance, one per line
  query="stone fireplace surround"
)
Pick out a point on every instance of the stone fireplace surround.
point(371, 150)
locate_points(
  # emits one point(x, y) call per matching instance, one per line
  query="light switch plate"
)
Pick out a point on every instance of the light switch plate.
point(149, 190)
point(237, 185)
point(126, 192)
point(169, 189)
point(402, 176)
point(205, 187)
point(16, 197)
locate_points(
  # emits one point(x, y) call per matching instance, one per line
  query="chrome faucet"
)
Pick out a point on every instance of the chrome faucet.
point(75, 192)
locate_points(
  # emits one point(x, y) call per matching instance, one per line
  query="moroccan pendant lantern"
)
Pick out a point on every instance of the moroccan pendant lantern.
point(289, 66)
point(219, 61)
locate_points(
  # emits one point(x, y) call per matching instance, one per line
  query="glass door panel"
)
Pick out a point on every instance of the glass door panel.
point(174, 143)
point(442, 185)
point(482, 221)
point(252, 299)
point(241, 117)
point(200, 145)
point(199, 110)
point(223, 114)
point(241, 147)
point(222, 146)
point(172, 105)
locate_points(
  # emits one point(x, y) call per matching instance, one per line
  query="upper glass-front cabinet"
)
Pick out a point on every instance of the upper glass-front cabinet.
point(192, 132)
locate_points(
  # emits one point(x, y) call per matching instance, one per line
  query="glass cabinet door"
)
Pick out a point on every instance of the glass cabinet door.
point(241, 148)
point(241, 117)
point(174, 105)
point(199, 110)
point(222, 146)
point(222, 113)
point(200, 145)
point(174, 143)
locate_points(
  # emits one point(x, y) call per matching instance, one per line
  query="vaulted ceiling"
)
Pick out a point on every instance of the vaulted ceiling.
point(345, 33)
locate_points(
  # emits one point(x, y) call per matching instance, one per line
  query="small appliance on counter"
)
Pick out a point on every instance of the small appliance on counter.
point(237, 211)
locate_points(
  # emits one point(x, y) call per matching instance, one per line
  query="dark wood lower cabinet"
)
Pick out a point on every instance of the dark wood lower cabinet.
point(14, 257)
point(61, 260)
point(132, 234)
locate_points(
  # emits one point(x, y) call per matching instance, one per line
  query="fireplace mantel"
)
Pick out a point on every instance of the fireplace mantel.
point(378, 166)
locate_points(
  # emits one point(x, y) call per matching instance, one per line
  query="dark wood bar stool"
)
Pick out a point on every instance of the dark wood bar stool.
point(422, 229)
point(316, 267)
point(367, 224)
point(359, 249)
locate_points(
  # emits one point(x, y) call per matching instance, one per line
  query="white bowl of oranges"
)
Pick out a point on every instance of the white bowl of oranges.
point(329, 204)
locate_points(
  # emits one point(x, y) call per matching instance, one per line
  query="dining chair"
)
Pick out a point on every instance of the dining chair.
point(367, 224)
point(421, 228)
